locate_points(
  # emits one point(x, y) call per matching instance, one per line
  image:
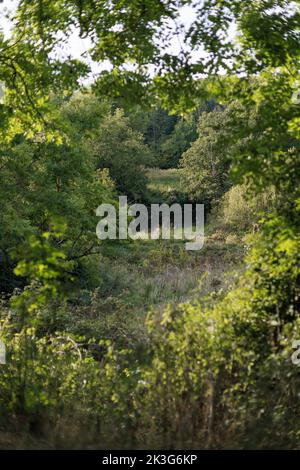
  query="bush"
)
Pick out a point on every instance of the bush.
point(121, 149)
point(205, 165)
point(240, 209)
point(56, 392)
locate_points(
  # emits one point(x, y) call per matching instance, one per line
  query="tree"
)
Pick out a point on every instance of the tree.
point(185, 132)
point(119, 148)
point(206, 163)
point(43, 181)
point(139, 34)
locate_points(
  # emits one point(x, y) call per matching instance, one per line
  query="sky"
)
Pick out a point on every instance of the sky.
point(186, 17)
point(77, 46)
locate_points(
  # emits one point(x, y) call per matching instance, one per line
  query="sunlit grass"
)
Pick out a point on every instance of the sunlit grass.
point(164, 180)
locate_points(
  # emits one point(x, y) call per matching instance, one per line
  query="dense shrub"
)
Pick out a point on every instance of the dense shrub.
point(121, 149)
point(240, 209)
point(205, 165)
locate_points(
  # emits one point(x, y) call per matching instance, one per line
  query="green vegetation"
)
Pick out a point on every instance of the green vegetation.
point(165, 186)
point(136, 344)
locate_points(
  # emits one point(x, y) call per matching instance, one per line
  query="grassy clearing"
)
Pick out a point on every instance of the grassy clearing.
point(143, 275)
point(164, 180)
point(137, 276)
point(165, 186)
